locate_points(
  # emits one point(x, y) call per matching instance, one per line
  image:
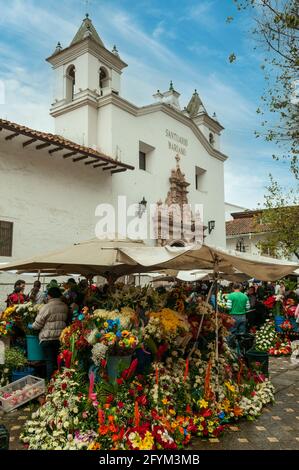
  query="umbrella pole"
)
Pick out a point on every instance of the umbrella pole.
point(201, 322)
point(216, 276)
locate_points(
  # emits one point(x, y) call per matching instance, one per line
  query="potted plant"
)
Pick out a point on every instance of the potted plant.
point(17, 364)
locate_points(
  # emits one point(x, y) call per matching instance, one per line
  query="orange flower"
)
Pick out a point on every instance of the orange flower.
point(110, 418)
point(181, 429)
point(107, 406)
point(113, 428)
point(103, 430)
point(238, 411)
point(115, 437)
point(94, 446)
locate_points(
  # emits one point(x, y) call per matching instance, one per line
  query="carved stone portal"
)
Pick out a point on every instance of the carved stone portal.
point(174, 222)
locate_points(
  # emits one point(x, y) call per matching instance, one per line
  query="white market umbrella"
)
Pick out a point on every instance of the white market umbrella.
point(115, 258)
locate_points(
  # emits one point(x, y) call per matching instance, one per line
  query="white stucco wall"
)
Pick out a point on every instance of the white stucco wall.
point(51, 201)
point(153, 184)
point(230, 209)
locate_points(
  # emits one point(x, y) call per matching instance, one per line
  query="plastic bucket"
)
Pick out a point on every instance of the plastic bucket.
point(116, 365)
point(295, 325)
point(4, 438)
point(278, 321)
point(34, 350)
point(254, 356)
point(20, 374)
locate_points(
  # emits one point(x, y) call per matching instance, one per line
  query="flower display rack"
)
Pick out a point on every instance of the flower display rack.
point(21, 391)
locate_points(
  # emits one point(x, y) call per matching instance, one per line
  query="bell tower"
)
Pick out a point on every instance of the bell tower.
point(84, 73)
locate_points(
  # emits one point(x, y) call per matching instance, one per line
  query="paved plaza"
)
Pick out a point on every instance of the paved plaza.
point(276, 429)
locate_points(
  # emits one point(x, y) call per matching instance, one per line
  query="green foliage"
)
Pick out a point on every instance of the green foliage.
point(277, 35)
point(15, 359)
point(104, 389)
point(281, 218)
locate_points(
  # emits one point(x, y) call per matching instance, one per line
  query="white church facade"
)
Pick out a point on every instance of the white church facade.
point(103, 147)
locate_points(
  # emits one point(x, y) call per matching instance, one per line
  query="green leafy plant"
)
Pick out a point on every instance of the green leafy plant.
point(15, 359)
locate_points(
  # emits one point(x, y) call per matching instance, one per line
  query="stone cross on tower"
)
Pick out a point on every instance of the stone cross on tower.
point(178, 159)
point(87, 5)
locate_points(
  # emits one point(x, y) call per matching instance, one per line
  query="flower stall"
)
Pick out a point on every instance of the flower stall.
point(283, 310)
point(131, 378)
point(145, 370)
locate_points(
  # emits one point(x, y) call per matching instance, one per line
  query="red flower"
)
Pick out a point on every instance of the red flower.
point(64, 386)
point(142, 400)
point(154, 414)
point(65, 403)
point(128, 373)
point(139, 387)
point(120, 404)
point(270, 302)
point(131, 392)
point(188, 409)
point(110, 398)
point(103, 363)
point(120, 381)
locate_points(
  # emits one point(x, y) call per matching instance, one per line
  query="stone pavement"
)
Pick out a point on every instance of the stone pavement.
point(278, 426)
point(276, 429)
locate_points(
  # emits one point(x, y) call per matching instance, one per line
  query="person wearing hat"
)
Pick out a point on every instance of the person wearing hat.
point(50, 321)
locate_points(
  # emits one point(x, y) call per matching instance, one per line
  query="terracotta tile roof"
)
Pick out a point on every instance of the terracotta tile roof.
point(244, 225)
point(62, 144)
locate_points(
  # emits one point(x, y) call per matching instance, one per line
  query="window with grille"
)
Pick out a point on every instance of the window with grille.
point(240, 245)
point(6, 230)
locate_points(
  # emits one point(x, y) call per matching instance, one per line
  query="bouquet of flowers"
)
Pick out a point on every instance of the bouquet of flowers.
point(266, 337)
point(286, 326)
point(119, 342)
point(8, 313)
point(275, 303)
point(27, 313)
point(77, 333)
point(281, 348)
point(5, 327)
point(290, 307)
point(126, 316)
point(166, 325)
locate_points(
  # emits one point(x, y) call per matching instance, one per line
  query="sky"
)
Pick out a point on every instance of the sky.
point(187, 42)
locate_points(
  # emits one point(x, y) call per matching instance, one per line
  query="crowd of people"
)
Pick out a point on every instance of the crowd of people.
point(244, 301)
point(58, 305)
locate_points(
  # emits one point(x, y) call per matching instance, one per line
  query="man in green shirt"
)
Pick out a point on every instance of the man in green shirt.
point(238, 304)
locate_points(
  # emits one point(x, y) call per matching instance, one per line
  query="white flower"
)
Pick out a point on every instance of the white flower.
point(99, 351)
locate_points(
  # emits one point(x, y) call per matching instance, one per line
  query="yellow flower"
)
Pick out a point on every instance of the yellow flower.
point(230, 387)
point(226, 405)
point(164, 401)
point(203, 403)
point(93, 446)
point(172, 412)
point(106, 324)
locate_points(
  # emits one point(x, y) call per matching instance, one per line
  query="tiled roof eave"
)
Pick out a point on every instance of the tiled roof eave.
point(61, 144)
